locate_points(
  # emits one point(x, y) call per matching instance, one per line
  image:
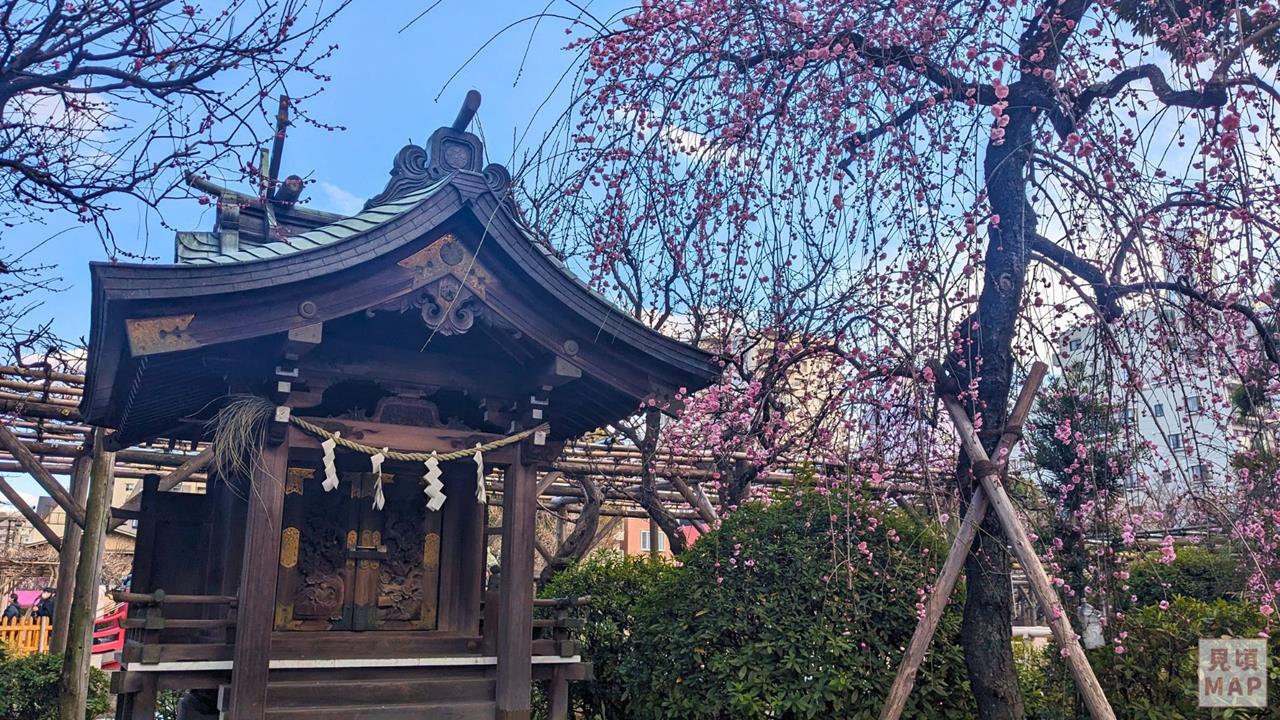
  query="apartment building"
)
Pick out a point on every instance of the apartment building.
point(1173, 400)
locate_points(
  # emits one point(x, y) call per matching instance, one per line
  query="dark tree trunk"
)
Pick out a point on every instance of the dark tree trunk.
point(737, 477)
point(647, 494)
point(986, 632)
point(574, 547)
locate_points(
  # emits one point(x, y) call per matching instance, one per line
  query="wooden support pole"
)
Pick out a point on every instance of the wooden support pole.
point(144, 701)
point(67, 403)
point(1086, 682)
point(30, 514)
point(515, 593)
point(69, 557)
point(74, 683)
point(32, 409)
point(10, 442)
point(960, 546)
point(39, 387)
point(562, 519)
point(43, 374)
point(696, 499)
point(68, 445)
point(547, 555)
point(179, 475)
point(255, 613)
point(558, 695)
point(548, 480)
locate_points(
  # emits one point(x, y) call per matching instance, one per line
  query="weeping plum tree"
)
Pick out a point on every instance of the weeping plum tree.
point(885, 184)
point(1082, 461)
point(111, 100)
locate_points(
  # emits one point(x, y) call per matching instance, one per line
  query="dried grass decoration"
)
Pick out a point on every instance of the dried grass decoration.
point(239, 434)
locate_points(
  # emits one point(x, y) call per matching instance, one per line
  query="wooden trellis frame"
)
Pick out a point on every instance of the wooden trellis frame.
point(43, 419)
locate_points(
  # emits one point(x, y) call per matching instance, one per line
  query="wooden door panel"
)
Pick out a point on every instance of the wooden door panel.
point(345, 565)
point(367, 551)
point(315, 569)
point(409, 575)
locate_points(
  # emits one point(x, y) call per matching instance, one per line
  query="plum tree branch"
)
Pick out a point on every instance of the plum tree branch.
point(898, 56)
point(1265, 336)
point(1213, 95)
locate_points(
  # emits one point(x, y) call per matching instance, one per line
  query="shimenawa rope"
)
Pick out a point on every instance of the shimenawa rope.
point(415, 456)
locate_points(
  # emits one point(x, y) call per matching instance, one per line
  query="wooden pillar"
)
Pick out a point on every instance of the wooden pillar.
point(69, 557)
point(558, 695)
point(175, 478)
point(74, 683)
point(255, 612)
point(515, 592)
point(144, 701)
point(144, 545)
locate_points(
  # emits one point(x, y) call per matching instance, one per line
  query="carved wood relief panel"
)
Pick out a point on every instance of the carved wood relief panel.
point(347, 566)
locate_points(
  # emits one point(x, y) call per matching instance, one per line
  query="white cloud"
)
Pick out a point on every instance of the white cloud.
point(339, 200)
point(28, 498)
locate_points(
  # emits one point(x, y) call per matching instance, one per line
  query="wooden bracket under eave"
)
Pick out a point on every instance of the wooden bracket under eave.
point(560, 372)
point(152, 336)
point(302, 340)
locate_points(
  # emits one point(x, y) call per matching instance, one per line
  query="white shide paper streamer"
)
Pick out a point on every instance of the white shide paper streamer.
point(435, 488)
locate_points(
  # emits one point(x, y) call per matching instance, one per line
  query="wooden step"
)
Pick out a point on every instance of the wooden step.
point(407, 711)
point(390, 691)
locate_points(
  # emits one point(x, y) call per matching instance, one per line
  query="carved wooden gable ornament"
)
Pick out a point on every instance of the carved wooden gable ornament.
point(449, 287)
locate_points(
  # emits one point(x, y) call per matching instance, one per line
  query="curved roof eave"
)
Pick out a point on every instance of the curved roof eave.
point(147, 284)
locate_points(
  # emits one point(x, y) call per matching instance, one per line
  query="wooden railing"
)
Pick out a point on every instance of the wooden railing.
point(153, 610)
point(147, 624)
point(557, 631)
point(25, 635)
point(560, 626)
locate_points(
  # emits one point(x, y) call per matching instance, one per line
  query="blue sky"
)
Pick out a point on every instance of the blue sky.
point(383, 90)
point(384, 87)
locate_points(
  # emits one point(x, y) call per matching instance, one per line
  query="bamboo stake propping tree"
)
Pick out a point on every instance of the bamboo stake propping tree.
point(991, 493)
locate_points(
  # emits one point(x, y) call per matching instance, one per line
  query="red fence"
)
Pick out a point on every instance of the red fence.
point(108, 635)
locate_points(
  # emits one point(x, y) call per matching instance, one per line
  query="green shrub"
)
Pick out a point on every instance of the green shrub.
point(167, 704)
point(29, 687)
point(1042, 683)
point(782, 613)
point(615, 582)
point(1196, 572)
point(1155, 678)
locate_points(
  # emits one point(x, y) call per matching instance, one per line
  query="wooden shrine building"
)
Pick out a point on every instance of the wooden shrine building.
point(333, 568)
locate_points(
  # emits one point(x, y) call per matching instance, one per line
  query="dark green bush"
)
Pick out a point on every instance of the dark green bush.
point(615, 583)
point(167, 704)
point(29, 687)
point(783, 613)
point(1197, 572)
point(1155, 677)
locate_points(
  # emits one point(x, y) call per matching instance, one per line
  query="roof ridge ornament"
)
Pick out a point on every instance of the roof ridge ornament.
point(450, 149)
